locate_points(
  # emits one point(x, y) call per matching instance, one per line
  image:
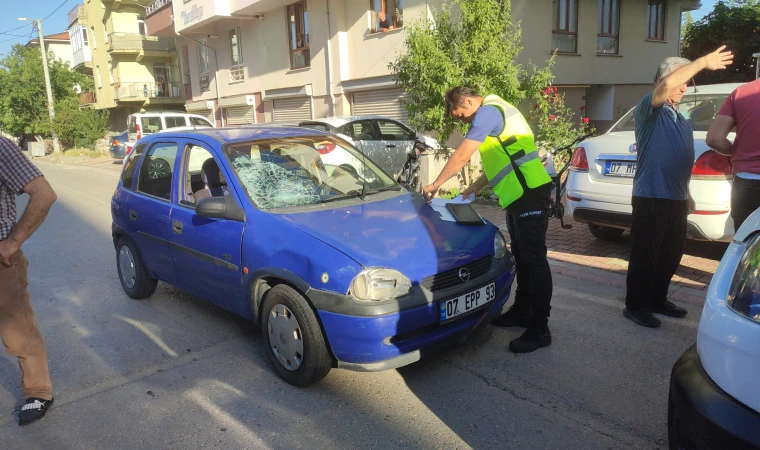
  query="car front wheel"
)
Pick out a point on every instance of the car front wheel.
point(296, 346)
point(605, 233)
point(134, 277)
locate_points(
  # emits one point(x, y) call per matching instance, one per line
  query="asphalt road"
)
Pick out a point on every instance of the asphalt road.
point(174, 372)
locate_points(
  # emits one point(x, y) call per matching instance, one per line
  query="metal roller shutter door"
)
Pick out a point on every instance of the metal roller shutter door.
point(383, 102)
point(240, 115)
point(207, 113)
point(292, 109)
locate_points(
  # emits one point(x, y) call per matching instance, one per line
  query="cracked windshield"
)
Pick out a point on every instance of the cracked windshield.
point(300, 172)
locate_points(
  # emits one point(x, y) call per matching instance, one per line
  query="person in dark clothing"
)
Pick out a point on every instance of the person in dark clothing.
point(661, 200)
point(384, 24)
point(509, 154)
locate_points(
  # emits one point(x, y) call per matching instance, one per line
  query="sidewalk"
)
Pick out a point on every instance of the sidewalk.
point(103, 162)
point(576, 252)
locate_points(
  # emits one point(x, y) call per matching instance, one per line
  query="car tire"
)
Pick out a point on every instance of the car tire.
point(133, 275)
point(293, 336)
point(605, 233)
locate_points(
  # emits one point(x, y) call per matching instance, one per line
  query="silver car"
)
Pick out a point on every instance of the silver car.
point(384, 140)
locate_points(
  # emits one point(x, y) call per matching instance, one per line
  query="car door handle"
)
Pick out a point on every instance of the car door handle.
point(133, 214)
point(177, 227)
point(390, 146)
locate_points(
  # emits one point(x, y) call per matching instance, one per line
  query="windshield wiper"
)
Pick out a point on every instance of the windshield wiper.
point(360, 194)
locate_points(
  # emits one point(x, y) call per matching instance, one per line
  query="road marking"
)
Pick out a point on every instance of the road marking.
point(151, 335)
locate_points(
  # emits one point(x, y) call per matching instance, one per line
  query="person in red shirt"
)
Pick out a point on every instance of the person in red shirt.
point(742, 110)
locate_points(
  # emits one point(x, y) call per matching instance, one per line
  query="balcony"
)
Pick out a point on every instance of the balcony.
point(116, 4)
point(155, 6)
point(140, 45)
point(77, 14)
point(159, 19)
point(87, 99)
point(149, 91)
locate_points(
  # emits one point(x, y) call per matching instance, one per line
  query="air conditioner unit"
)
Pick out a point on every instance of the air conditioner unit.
point(209, 104)
point(250, 100)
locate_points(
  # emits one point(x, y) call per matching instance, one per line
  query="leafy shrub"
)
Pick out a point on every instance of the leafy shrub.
point(79, 127)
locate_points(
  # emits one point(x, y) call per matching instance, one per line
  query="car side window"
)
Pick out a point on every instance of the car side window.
point(363, 131)
point(128, 173)
point(175, 121)
point(151, 125)
point(198, 122)
point(392, 131)
point(132, 127)
point(194, 183)
point(155, 176)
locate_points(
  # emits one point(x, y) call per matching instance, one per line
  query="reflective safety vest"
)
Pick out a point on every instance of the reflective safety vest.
point(514, 150)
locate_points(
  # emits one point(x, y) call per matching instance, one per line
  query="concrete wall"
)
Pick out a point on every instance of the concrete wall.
point(61, 50)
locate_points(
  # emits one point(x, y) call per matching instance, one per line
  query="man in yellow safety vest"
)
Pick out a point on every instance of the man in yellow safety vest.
point(515, 172)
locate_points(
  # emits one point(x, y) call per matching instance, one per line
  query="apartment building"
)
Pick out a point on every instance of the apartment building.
point(251, 61)
point(58, 44)
point(132, 71)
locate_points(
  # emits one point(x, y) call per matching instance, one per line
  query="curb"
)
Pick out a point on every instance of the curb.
point(69, 166)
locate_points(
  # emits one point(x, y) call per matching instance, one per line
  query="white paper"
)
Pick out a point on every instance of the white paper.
point(439, 206)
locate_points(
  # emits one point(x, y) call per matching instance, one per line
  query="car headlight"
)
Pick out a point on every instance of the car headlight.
point(744, 293)
point(499, 245)
point(375, 284)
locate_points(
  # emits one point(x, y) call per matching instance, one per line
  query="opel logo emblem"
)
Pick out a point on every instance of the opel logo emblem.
point(632, 148)
point(464, 275)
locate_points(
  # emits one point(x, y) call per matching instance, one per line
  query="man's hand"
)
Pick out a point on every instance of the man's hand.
point(718, 59)
point(429, 192)
point(8, 248)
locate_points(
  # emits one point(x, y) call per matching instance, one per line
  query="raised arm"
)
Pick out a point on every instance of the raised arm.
point(716, 60)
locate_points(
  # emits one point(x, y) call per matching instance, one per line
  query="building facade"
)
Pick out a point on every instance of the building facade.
point(132, 70)
point(253, 61)
point(58, 44)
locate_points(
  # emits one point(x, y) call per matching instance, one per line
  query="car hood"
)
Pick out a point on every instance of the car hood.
point(402, 233)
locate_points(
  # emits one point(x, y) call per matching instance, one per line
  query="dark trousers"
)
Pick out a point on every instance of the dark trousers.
point(527, 221)
point(745, 199)
point(658, 236)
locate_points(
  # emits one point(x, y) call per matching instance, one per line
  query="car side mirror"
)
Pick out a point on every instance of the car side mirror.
point(220, 208)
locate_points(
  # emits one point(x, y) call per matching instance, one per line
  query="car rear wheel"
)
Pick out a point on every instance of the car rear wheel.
point(605, 233)
point(134, 277)
point(296, 346)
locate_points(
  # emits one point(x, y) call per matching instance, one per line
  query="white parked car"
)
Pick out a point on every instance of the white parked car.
point(143, 124)
point(714, 400)
point(600, 182)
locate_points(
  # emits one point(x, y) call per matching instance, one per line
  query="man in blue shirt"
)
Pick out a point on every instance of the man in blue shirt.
point(661, 200)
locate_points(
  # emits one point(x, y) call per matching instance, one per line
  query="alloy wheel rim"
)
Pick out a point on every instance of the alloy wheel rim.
point(285, 337)
point(127, 265)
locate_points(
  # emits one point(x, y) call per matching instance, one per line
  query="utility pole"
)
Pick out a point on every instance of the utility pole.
point(51, 108)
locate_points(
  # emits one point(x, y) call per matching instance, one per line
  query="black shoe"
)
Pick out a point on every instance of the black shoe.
point(534, 338)
point(642, 317)
point(671, 310)
point(514, 317)
point(33, 410)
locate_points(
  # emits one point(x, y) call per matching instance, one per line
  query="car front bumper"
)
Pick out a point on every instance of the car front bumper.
point(702, 416)
point(378, 341)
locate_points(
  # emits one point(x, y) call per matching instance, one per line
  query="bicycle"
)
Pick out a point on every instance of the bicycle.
point(559, 186)
point(409, 176)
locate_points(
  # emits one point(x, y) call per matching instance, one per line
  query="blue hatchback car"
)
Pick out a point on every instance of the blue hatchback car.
point(295, 229)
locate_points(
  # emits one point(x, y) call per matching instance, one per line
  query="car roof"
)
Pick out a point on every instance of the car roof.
point(339, 121)
point(242, 134)
point(723, 88)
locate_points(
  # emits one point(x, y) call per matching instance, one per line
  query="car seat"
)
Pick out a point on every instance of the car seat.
point(216, 185)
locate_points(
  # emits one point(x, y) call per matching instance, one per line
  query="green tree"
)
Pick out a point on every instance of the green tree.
point(466, 43)
point(687, 20)
point(735, 24)
point(22, 90)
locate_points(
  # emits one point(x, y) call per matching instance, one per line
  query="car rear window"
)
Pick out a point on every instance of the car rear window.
point(175, 121)
point(151, 125)
point(131, 128)
point(699, 111)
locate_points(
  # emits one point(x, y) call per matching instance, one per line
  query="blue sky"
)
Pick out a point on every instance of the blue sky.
point(39, 9)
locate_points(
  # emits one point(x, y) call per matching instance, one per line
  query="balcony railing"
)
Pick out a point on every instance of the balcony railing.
point(87, 98)
point(133, 42)
point(77, 13)
point(155, 6)
point(146, 90)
